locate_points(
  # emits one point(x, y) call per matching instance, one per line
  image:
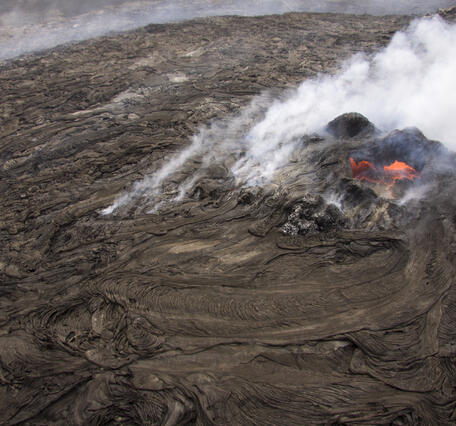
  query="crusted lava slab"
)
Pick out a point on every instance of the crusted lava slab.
point(315, 299)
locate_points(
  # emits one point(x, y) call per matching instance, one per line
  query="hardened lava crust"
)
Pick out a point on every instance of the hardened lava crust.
point(316, 298)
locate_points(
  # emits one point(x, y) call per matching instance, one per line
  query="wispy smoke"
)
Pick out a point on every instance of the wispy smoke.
point(33, 25)
point(409, 83)
point(220, 140)
point(414, 193)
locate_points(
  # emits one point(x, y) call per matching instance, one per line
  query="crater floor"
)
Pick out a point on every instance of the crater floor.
point(266, 305)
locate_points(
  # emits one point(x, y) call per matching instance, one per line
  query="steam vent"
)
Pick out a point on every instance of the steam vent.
point(170, 257)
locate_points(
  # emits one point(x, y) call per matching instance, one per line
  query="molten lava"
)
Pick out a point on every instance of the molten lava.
point(365, 170)
point(400, 170)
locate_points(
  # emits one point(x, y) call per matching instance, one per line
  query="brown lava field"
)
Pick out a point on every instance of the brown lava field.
point(237, 305)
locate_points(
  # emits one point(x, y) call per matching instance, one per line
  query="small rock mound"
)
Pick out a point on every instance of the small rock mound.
point(350, 125)
point(311, 215)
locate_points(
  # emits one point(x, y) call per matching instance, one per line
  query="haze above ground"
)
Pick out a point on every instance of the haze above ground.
point(40, 9)
point(28, 26)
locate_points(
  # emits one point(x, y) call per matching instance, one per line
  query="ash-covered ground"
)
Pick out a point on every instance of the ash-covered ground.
point(140, 285)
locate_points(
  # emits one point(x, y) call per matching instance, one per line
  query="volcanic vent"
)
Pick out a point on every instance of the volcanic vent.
point(388, 175)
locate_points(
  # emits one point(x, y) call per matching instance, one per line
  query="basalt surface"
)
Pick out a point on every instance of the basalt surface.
point(314, 299)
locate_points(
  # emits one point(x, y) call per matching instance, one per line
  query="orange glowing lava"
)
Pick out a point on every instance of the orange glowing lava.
point(400, 170)
point(365, 170)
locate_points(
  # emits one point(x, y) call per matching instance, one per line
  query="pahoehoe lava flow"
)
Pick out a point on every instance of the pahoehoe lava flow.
point(326, 295)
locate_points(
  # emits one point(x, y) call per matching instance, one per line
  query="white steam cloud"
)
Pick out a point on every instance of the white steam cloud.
point(42, 24)
point(410, 83)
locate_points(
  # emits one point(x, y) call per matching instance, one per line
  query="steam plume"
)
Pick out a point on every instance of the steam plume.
point(409, 83)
